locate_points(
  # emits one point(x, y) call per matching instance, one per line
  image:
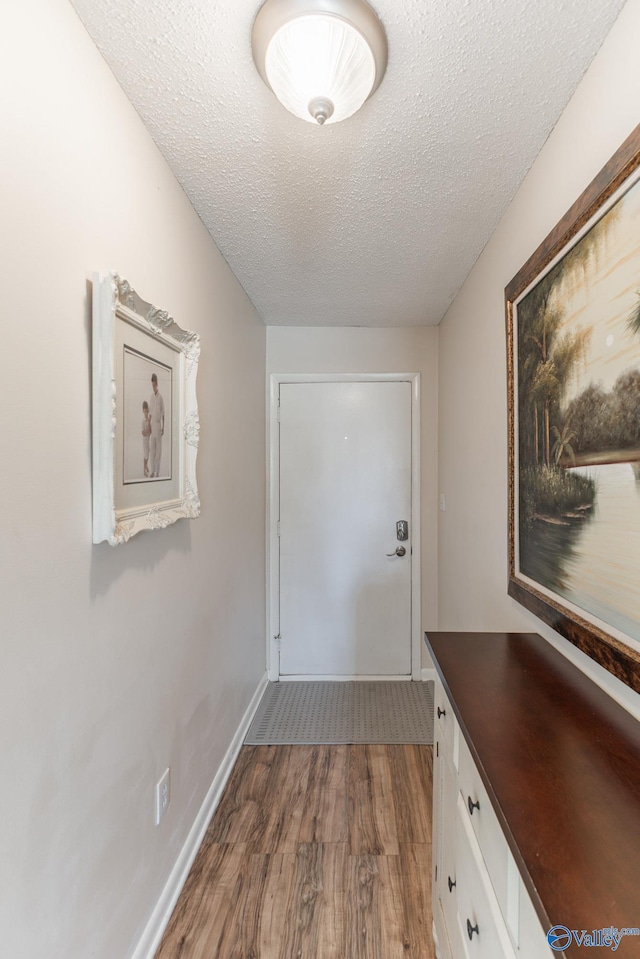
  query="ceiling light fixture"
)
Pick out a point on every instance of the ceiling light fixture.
point(321, 58)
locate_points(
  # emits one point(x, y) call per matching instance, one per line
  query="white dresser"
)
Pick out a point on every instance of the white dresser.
point(481, 909)
point(536, 804)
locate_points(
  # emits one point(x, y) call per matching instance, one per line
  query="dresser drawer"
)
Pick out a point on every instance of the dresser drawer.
point(449, 878)
point(440, 933)
point(445, 722)
point(533, 938)
point(481, 819)
point(481, 929)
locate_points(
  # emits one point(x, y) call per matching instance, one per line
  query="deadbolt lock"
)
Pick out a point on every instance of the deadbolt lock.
point(402, 530)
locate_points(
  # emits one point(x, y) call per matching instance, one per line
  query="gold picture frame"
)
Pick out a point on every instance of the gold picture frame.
point(573, 370)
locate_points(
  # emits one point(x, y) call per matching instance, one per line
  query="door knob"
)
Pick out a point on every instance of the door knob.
point(398, 551)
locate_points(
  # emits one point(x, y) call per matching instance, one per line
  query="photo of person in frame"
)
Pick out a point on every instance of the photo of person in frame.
point(147, 386)
point(146, 433)
point(156, 419)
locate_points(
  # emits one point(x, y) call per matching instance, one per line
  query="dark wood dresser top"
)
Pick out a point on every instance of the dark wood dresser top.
point(561, 763)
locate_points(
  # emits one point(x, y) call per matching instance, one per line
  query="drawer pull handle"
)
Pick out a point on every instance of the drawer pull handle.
point(441, 712)
point(451, 884)
point(471, 929)
point(472, 805)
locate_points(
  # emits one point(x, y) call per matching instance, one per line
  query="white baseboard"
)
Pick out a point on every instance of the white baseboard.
point(150, 940)
point(426, 674)
point(340, 678)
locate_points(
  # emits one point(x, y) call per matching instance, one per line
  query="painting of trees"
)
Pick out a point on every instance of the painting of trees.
point(607, 420)
point(633, 320)
point(573, 333)
point(578, 405)
point(547, 357)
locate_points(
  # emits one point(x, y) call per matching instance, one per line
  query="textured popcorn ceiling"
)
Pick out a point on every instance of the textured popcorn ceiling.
point(375, 221)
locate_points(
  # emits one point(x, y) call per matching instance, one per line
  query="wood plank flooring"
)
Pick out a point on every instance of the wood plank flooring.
point(315, 852)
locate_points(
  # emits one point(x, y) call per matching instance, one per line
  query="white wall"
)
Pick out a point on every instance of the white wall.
point(473, 411)
point(114, 663)
point(364, 350)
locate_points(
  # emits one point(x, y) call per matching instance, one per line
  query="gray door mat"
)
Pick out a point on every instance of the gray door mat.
point(313, 713)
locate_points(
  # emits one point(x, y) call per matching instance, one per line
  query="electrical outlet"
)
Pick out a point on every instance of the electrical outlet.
point(443, 504)
point(163, 795)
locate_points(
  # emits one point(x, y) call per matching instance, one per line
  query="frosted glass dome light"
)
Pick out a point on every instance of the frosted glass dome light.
point(321, 58)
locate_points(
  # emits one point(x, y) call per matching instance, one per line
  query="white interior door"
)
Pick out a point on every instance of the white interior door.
point(345, 481)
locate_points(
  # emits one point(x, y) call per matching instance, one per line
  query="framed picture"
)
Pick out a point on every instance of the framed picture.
point(573, 332)
point(145, 414)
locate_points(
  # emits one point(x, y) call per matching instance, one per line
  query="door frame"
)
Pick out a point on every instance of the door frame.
point(273, 511)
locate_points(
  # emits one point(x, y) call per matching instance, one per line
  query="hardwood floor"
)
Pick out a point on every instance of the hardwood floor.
point(315, 852)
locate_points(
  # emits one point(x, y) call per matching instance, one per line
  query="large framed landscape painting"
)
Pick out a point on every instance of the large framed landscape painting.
point(573, 330)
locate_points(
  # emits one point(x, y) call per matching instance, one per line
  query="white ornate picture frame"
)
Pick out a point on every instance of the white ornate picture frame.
point(145, 415)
